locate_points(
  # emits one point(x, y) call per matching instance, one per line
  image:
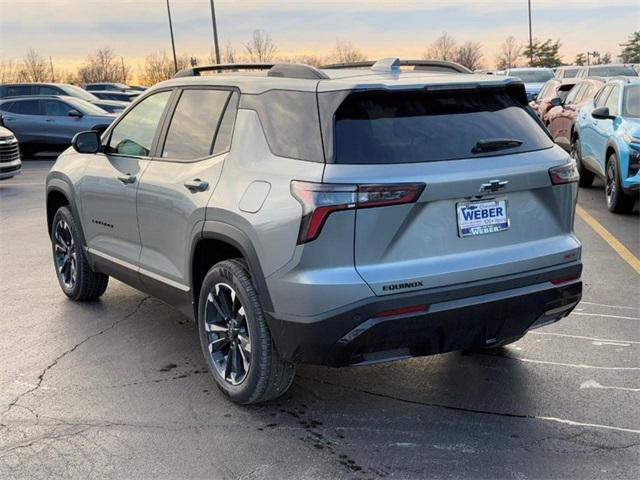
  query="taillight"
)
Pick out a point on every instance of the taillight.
point(567, 173)
point(565, 279)
point(319, 200)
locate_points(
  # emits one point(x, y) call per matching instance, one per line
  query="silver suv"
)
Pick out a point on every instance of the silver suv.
point(336, 216)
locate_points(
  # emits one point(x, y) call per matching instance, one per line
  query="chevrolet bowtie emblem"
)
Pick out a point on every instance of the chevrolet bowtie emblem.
point(493, 186)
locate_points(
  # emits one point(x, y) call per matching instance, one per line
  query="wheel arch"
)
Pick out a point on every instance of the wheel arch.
point(59, 194)
point(221, 241)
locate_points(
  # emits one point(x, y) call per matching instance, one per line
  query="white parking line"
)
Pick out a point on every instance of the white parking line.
point(573, 365)
point(594, 384)
point(591, 339)
point(609, 306)
point(604, 316)
point(592, 425)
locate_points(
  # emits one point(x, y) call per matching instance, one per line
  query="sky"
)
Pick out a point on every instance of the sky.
point(69, 30)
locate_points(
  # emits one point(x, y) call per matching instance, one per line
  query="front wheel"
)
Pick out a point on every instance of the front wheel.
point(617, 200)
point(235, 338)
point(77, 280)
point(586, 176)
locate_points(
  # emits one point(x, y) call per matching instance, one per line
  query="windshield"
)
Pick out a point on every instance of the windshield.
point(612, 71)
point(631, 102)
point(532, 76)
point(78, 92)
point(408, 127)
point(85, 107)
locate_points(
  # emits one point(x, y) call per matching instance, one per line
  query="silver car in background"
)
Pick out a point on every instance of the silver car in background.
point(50, 122)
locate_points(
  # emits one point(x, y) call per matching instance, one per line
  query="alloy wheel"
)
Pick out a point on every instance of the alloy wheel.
point(228, 335)
point(610, 183)
point(65, 254)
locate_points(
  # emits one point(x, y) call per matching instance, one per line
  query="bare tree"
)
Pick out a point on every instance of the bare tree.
point(104, 66)
point(159, 67)
point(346, 52)
point(444, 48)
point(510, 52)
point(315, 60)
point(34, 68)
point(261, 47)
point(8, 71)
point(229, 55)
point(469, 54)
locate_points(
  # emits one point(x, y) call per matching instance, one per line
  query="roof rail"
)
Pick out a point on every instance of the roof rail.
point(435, 65)
point(221, 67)
point(283, 70)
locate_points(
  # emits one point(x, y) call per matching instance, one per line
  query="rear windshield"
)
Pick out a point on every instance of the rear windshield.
point(410, 127)
point(532, 76)
point(612, 71)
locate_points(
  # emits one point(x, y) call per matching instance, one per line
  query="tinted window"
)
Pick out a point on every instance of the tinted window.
point(532, 76)
point(570, 73)
point(78, 92)
point(25, 107)
point(631, 102)
point(613, 101)
point(55, 108)
point(44, 90)
point(612, 71)
point(601, 97)
point(194, 124)
point(134, 133)
point(15, 90)
point(290, 122)
point(225, 130)
point(383, 127)
point(575, 94)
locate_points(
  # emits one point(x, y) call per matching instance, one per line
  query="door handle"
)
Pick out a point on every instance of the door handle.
point(196, 185)
point(48, 120)
point(127, 179)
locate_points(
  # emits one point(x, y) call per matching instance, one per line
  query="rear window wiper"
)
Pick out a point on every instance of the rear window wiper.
point(494, 144)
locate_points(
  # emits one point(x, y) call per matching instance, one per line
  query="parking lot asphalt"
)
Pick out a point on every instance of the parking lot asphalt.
point(118, 387)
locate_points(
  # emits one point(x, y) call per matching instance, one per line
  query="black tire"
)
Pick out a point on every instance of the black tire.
point(586, 176)
point(77, 280)
point(617, 200)
point(501, 343)
point(228, 300)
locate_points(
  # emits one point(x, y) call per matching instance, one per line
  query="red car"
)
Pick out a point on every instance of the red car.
point(561, 119)
point(550, 90)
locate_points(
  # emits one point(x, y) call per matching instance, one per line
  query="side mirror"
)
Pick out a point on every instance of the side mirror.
point(556, 102)
point(74, 114)
point(602, 113)
point(86, 142)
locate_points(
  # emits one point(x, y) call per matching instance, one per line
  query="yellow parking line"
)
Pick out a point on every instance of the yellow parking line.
point(613, 242)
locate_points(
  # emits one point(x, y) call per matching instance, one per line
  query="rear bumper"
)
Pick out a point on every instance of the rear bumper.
point(455, 318)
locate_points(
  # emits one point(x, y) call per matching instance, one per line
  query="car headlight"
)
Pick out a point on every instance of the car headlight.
point(8, 139)
point(627, 137)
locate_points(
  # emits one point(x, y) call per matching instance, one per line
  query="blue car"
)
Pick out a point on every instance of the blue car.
point(607, 142)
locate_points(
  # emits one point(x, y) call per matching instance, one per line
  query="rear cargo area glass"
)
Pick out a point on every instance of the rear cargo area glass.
point(407, 127)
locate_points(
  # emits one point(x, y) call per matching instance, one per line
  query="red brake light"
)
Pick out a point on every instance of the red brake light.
point(567, 279)
point(319, 200)
point(567, 173)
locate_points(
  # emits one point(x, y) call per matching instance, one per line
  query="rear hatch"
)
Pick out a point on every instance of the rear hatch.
point(489, 206)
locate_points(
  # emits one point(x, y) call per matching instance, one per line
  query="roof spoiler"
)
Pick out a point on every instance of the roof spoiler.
point(393, 64)
point(282, 70)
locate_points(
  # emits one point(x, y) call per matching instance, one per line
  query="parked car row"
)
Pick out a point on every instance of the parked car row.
point(597, 120)
point(46, 116)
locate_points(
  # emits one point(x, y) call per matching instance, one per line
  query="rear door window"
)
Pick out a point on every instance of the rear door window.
point(55, 108)
point(17, 90)
point(194, 124)
point(25, 107)
point(46, 90)
point(408, 127)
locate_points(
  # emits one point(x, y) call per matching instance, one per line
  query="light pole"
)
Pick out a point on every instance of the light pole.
point(173, 43)
point(530, 37)
point(215, 32)
point(594, 54)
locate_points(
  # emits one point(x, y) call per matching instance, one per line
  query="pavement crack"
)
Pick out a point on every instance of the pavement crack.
point(55, 361)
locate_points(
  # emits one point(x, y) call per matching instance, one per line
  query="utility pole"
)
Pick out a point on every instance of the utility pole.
point(173, 43)
point(530, 37)
point(124, 72)
point(215, 32)
point(53, 75)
